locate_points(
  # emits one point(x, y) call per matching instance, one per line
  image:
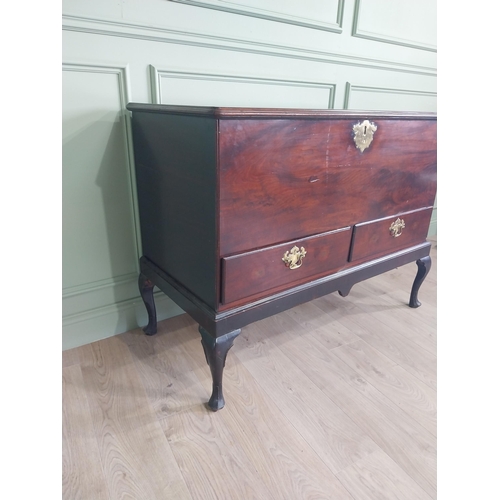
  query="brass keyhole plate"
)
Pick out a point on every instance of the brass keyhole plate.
point(363, 134)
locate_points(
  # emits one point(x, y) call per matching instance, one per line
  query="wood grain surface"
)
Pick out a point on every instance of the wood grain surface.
point(310, 178)
point(332, 399)
point(263, 270)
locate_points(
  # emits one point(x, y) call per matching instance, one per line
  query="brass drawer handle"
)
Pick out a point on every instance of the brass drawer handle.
point(396, 228)
point(293, 258)
point(363, 134)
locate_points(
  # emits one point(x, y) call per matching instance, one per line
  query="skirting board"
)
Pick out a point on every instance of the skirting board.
point(113, 320)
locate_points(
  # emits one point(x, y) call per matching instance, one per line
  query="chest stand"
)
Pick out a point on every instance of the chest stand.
point(217, 347)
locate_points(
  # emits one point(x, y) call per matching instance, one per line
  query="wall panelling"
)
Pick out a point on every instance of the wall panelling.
point(353, 54)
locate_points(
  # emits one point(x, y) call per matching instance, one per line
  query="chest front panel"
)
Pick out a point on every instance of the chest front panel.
point(285, 179)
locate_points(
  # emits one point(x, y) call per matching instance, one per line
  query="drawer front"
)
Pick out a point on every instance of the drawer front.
point(283, 179)
point(264, 270)
point(384, 236)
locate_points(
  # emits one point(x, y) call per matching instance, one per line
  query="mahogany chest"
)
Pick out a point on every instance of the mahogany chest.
point(247, 212)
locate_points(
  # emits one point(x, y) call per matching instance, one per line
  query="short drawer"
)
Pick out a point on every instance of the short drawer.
point(276, 266)
point(390, 234)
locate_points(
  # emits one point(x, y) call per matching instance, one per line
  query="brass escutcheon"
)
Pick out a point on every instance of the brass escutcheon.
point(363, 134)
point(396, 228)
point(293, 258)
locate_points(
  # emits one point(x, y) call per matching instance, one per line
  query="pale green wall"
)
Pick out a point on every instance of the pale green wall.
point(363, 54)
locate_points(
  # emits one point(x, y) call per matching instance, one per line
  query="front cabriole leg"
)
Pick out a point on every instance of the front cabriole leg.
point(424, 265)
point(215, 352)
point(146, 290)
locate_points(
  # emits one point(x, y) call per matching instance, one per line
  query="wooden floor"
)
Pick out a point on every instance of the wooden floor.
point(333, 399)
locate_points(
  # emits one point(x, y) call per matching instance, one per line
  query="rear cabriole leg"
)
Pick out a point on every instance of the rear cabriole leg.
point(146, 290)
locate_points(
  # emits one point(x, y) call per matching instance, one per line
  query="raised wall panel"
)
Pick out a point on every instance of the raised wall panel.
point(220, 90)
point(400, 22)
point(99, 245)
point(210, 25)
point(319, 14)
point(99, 241)
point(378, 98)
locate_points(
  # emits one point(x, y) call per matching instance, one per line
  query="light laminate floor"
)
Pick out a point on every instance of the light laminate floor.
point(334, 399)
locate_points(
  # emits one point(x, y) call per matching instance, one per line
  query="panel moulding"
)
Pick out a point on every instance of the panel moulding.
point(350, 89)
point(110, 308)
point(98, 285)
point(157, 74)
point(104, 322)
point(247, 10)
point(384, 37)
point(168, 35)
point(122, 72)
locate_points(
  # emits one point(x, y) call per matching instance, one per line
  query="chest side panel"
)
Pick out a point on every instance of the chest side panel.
point(175, 163)
point(282, 179)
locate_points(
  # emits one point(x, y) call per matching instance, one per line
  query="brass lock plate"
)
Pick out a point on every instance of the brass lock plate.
point(363, 134)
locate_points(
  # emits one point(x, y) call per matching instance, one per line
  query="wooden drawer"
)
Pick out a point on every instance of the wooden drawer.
point(375, 238)
point(262, 270)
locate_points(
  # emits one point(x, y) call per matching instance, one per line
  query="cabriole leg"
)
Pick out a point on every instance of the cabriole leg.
point(424, 265)
point(146, 289)
point(215, 353)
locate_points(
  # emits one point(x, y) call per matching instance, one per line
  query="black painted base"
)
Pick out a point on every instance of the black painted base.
point(216, 350)
point(219, 329)
point(424, 266)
